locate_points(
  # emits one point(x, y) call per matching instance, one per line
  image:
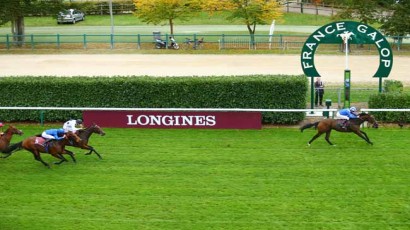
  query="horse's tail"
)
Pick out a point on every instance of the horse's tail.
point(13, 148)
point(309, 125)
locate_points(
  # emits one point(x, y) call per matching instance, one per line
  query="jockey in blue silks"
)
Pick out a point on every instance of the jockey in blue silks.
point(53, 134)
point(346, 114)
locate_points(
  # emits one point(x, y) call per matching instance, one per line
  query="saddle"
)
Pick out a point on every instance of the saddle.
point(42, 142)
point(342, 123)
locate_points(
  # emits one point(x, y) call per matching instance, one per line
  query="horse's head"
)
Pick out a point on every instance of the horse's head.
point(14, 130)
point(73, 137)
point(369, 118)
point(97, 129)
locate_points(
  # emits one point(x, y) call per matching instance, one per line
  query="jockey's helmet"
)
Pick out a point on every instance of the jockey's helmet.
point(79, 121)
point(353, 109)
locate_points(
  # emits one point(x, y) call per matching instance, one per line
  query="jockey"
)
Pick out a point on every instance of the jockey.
point(346, 114)
point(53, 134)
point(71, 125)
point(1, 125)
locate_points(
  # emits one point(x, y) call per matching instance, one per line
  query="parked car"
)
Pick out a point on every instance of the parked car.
point(70, 16)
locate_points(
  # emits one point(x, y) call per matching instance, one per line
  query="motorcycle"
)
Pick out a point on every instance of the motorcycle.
point(161, 44)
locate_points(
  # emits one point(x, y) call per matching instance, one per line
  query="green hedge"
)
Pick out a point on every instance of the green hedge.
point(390, 101)
point(260, 92)
point(393, 86)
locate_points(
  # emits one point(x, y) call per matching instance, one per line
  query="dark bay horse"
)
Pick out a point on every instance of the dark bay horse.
point(54, 147)
point(6, 137)
point(326, 126)
point(85, 134)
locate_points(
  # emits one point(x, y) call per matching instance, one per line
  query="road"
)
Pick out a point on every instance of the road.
point(331, 67)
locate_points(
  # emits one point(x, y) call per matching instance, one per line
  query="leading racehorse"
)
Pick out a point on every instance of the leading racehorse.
point(85, 134)
point(6, 137)
point(326, 126)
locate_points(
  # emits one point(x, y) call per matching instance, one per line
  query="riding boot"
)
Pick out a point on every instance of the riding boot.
point(345, 124)
point(342, 124)
point(47, 142)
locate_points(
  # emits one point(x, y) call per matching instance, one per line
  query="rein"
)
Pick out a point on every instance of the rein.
point(86, 132)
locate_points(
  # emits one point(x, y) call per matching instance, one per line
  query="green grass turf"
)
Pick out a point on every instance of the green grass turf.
point(198, 19)
point(213, 179)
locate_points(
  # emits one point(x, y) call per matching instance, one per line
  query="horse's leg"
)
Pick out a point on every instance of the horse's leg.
point(38, 158)
point(327, 137)
point(59, 156)
point(314, 138)
point(88, 148)
point(367, 139)
point(93, 150)
point(363, 136)
point(71, 155)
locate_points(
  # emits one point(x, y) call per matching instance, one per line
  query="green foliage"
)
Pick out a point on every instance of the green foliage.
point(394, 16)
point(167, 11)
point(393, 98)
point(391, 101)
point(212, 179)
point(366, 11)
point(259, 92)
point(398, 23)
point(393, 86)
point(101, 7)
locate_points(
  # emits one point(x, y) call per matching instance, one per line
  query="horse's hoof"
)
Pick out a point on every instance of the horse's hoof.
point(308, 144)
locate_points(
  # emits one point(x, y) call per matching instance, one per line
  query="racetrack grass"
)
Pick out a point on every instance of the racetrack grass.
point(213, 179)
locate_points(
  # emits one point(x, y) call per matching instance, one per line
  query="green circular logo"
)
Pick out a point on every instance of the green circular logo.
point(356, 33)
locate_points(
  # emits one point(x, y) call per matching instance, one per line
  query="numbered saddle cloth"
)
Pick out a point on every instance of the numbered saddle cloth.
point(40, 141)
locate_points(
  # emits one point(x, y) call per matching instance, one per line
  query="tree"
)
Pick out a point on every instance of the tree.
point(157, 11)
point(13, 11)
point(393, 15)
point(397, 23)
point(347, 3)
point(251, 12)
point(366, 11)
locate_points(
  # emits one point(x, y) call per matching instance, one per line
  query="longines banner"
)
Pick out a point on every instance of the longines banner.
point(175, 120)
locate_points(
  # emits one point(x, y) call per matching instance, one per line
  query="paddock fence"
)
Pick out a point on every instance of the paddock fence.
point(209, 42)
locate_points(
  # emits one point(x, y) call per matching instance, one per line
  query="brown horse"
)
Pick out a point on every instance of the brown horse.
point(6, 137)
point(85, 134)
point(326, 126)
point(54, 147)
